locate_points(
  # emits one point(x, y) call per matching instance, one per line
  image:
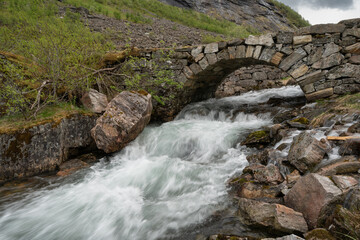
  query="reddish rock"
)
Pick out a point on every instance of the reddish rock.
point(269, 174)
point(124, 119)
point(344, 182)
point(293, 177)
point(310, 194)
point(71, 166)
point(94, 101)
point(276, 216)
point(252, 190)
point(340, 168)
point(306, 152)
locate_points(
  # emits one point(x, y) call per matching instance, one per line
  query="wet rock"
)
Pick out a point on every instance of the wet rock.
point(258, 139)
point(310, 194)
point(70, 167)
point(306, 152)
point(344, 182)
point(293, 177)
point(341, 167)
point(355, 128)
point(275, 216)
point(319, 234)
point(269, 174)
point(94, 101)
point(350, 147)
point(253, 190)
point(288, 237)
point(124, 119)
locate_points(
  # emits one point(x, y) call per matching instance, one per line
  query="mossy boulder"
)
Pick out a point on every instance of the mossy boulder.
point(319, 234)
point(258, 139)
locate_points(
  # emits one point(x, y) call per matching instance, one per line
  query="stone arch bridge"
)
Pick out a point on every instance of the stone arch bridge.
point(323, 59)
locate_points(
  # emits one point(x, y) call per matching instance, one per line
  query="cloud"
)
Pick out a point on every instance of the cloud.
point(320, 4)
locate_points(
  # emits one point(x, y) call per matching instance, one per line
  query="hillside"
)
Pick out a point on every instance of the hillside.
point(59, 44)
point(263, 15)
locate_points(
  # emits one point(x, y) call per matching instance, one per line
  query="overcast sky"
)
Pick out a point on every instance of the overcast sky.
point(325, 11)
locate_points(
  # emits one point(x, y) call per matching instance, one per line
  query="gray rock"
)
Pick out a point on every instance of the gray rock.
point(284, 37)
point(288, 62)
point(302, 39)
point(124, 119)
point(94, 101)
point(331, 48)
point(328, 62)
point(276, 216)
point(321, 29)
point(306, 152)
point(211, 48)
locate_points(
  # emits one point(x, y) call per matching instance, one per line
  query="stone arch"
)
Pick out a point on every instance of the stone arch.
point(323, 59)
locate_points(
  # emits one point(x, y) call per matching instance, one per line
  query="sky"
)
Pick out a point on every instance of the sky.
point(325, 11)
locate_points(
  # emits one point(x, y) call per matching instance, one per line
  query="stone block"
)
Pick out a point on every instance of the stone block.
point(222, 45)
point(235, 42)
point(345, 71)
point(188, 72)
point(284, 37)
point(223, 55)
point(328, 62)
point(355, 48)
point(196, 51)
point(321, 29)
point(289, 61)
point(315, 55)
point(94, 101)
point(347, 41)
point(355, 59)
point(319, 94)
point(259, 76)
point(264, 40)
point(302, 39)
point(195, 68)
point(287, 50)
point(211, 48)
point(257, 52)
point(276, 59)
point(249, 51)
point(331, 48)
point(311, 77)
point(301, 71)
point(347, 88)
point(352, 32)
point(204, 63)
point(232, 52)
point(211, 58)
point(199, 57)
point(326, 38)
point(240, 51)
point(309, 194)
point(267, 54)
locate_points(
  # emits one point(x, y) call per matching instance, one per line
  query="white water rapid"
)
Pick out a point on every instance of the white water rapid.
point(171, 177)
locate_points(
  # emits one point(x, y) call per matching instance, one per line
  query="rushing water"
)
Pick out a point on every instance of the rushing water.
point(171, 177)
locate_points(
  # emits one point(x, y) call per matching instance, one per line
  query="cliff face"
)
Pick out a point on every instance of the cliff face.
point(259, 14)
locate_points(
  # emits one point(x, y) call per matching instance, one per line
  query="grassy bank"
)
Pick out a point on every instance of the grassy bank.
point(295, 18)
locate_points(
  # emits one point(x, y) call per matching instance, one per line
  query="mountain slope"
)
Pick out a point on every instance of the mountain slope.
point(263, 15)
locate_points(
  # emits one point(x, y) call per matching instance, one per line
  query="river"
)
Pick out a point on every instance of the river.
point(172, 177)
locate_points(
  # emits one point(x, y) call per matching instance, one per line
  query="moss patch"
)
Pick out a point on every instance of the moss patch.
point(301, 120)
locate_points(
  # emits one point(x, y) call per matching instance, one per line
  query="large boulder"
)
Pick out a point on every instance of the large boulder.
point(124, 119)
point(275, 216)
point(306, 151)
point(94, 101)
point(310, 194)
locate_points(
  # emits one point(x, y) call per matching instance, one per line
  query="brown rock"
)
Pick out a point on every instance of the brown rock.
point(302, 39)
point(355, 48)
point(252, 190)
point(340, 168)
point(94, 101)
point(350, 147)
point(319, 234)
point(71, 166)
point(288, 62)
point(268, 174)
point(124, 119)
point(344, 182)
point(306, 152)
point(310, 194)
point(319, 94)
point(355, 59)
point(276, 216)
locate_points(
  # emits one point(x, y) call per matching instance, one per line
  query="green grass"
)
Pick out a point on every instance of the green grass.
point(140, 10)
point(52, 113)
point(295, 18)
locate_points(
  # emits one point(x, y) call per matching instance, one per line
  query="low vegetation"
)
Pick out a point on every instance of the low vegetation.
point(295, 18)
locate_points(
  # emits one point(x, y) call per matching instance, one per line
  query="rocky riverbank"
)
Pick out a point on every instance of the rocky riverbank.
point(303, 175)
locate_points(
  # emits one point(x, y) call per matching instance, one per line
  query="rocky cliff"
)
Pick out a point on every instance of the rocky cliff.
point(262, 15)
